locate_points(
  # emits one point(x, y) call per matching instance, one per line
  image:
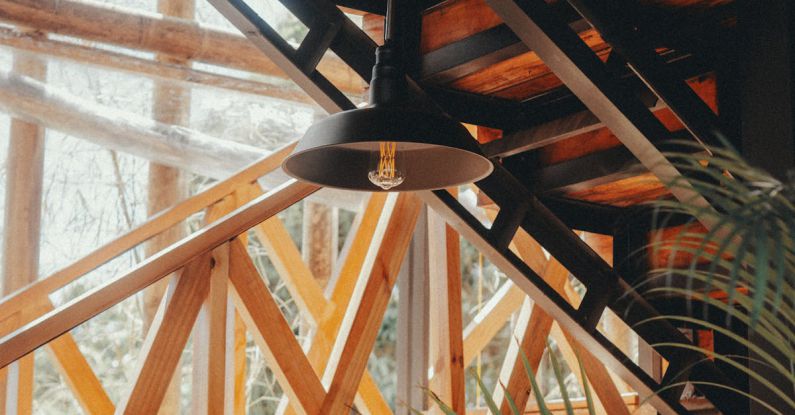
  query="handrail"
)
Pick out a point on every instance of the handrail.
point(158, 223)
point(68, 316)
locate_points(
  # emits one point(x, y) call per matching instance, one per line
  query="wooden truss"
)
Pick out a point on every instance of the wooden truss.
point(217, 286)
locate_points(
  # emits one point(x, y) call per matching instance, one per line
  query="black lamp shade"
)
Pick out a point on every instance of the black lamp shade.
point(435, 151)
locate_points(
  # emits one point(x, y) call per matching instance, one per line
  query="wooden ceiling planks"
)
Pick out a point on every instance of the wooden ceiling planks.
point(525, 76)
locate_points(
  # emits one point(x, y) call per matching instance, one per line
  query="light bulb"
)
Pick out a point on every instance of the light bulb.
point(385, 167)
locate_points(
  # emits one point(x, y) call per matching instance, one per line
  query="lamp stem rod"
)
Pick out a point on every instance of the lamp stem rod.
point(392, 23)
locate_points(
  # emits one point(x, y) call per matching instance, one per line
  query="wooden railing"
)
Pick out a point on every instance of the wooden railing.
point(332, 374)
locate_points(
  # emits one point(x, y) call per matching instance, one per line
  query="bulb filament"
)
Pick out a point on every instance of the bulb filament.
point(386, 175)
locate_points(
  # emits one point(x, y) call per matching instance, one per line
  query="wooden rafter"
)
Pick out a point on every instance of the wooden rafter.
point(579, 68)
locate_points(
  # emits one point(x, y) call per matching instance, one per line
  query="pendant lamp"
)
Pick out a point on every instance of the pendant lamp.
point(393, 144)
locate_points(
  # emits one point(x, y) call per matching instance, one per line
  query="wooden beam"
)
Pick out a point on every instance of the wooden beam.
point(165, 341)
point(157, 33)
point(167, 218)
point(234, 336)
point(446, 322)
point(170, 105)
point(533, 343)
point(119, 130)
point(161, 71)
point(33, 335)
point(235, 361)
point(319, 240)
point(209, 337)
point(297, 277)
point(77, 373)
point(490, 319)
point(368, 233)
point(366, 310)
point(273, 334)
point(22, 227)
point(413, 315)
point(169, 145)
point(609, 397)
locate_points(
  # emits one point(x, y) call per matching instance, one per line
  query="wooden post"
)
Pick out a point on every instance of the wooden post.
point(22, 232)
point(170, 105)
point(319, 242)
point(412, 323)
point(446, 352)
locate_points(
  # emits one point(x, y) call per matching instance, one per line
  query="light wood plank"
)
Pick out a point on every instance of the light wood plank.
point(286, 258)
point(82, 308)
point(166, 340)
point(490, 319)
point(239, 353)
point(366, 310)
point(446, 323)
point(22, 226)
point(77, 373)
point(273, 334)
point(209, 341)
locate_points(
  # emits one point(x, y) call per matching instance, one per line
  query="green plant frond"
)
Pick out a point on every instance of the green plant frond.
point(542, 406)
point(511, 402)
point(786, 397)
point(769, 315)
point(767, 358)
point(761, 269)
point(586, 389)
point(773, 311)
point(559, 378)
point(486, 394)
point(443, 406)
point(774, 336)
